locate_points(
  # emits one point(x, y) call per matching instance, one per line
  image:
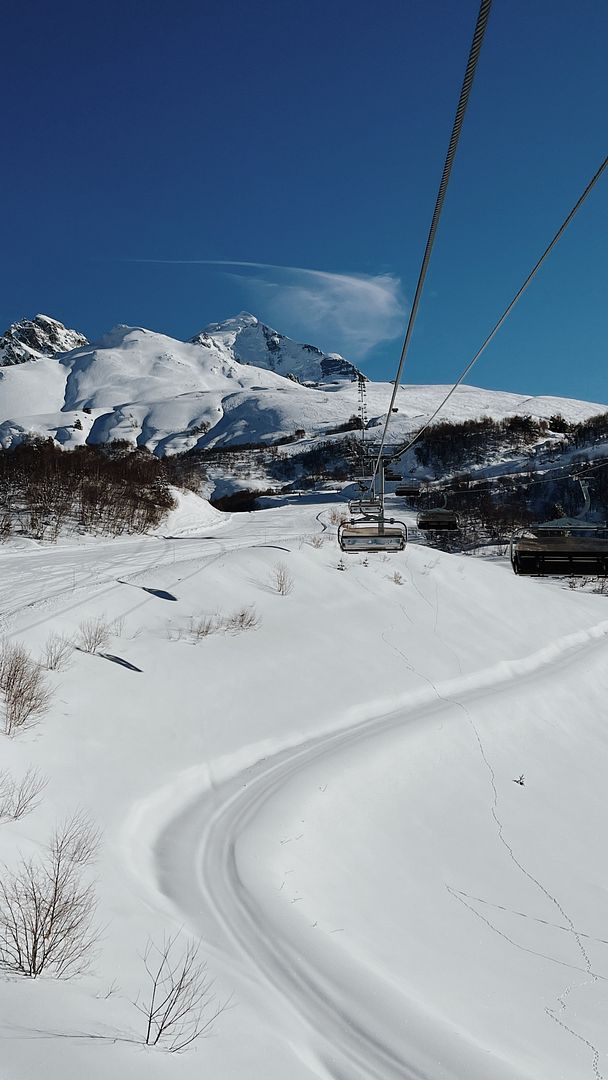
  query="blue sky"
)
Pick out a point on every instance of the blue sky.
point(310, 138)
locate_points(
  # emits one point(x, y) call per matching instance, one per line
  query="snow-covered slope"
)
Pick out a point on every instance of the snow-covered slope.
point(249, 341)
point(329, 810)
point(170, 395)
point(31, 339)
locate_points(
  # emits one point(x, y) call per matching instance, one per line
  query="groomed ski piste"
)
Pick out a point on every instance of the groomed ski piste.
point(326, 801)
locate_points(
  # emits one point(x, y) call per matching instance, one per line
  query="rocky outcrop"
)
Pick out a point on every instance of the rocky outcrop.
point(31, 339)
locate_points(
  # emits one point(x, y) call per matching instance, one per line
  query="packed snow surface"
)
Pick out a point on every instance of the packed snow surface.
point(326, 801)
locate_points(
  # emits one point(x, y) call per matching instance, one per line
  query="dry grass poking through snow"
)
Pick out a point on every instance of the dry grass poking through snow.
point(337, 516)
point(201, 626)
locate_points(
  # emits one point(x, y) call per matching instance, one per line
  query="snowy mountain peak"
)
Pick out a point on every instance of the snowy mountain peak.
point(31, 339)
point(237, 323)
point(245, 339)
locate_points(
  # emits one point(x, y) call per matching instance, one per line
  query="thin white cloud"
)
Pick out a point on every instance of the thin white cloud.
point(351, 313)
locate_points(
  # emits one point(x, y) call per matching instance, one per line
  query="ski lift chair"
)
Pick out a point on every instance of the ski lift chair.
point(580, 548)
point(437, 520)
point(366, 507)
point(409, 489)
point(564, 547)
point(382, 535)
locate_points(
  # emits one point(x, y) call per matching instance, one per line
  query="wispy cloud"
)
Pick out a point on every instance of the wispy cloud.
point(347, 312)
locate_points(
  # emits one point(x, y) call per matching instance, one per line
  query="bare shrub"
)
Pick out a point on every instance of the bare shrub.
point(47, 908)
point(18, 798)
point(246, 618)
point(282, 580)
point(57, 652)
point(94, 634)
point(180, 1006)
point(337, 516)
point(202, 626)
point(397, 578)
point(26, 695)
point(317, 540)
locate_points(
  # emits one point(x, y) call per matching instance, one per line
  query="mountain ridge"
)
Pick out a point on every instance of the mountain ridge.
point(170, 396)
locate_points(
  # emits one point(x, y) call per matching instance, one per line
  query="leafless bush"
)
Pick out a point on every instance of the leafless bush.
point(245, 619)
point(26, 695)
point(94, 634)
point(18, 798)
point(57, 652)
point(337, 516)
point(317, 541)
point(180, 1006)
point(397, 578)
point(201, 626)
point(47, 908)
point(282, 580)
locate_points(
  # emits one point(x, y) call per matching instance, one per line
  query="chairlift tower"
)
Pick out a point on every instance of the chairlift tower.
point(362, 393)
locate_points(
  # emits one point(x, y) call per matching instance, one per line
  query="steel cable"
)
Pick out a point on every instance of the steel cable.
point(407, 446)
point(480, 28)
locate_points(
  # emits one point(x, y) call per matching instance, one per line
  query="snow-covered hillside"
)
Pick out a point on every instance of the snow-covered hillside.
point(170, 396)
point(324, 801)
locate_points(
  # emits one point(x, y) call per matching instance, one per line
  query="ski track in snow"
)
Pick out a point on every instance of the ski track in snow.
point(204, 863)
point(459, 896)
point(203, 867)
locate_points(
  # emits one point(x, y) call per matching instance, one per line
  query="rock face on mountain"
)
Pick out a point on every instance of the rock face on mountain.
point(246, 339)
point(31, 339)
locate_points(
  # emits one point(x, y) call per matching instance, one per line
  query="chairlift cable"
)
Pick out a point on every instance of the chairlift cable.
point(570, 472)
point(594, 179)
point(480, 28)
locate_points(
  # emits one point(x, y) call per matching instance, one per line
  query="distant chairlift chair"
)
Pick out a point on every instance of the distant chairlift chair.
point(438, 519)
point(564, 547)
point(409, 489)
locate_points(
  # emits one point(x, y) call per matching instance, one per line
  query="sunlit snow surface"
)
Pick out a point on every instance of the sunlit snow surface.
point(171, 396)
point(326, 801)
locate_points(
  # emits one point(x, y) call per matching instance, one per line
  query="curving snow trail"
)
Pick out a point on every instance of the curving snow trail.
point(351, 1024)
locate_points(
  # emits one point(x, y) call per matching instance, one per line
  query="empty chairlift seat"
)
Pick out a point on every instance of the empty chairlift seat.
point(438, 520)
point(372, 536)
point(408, 489)
point(368, 508)
point(580, 548)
